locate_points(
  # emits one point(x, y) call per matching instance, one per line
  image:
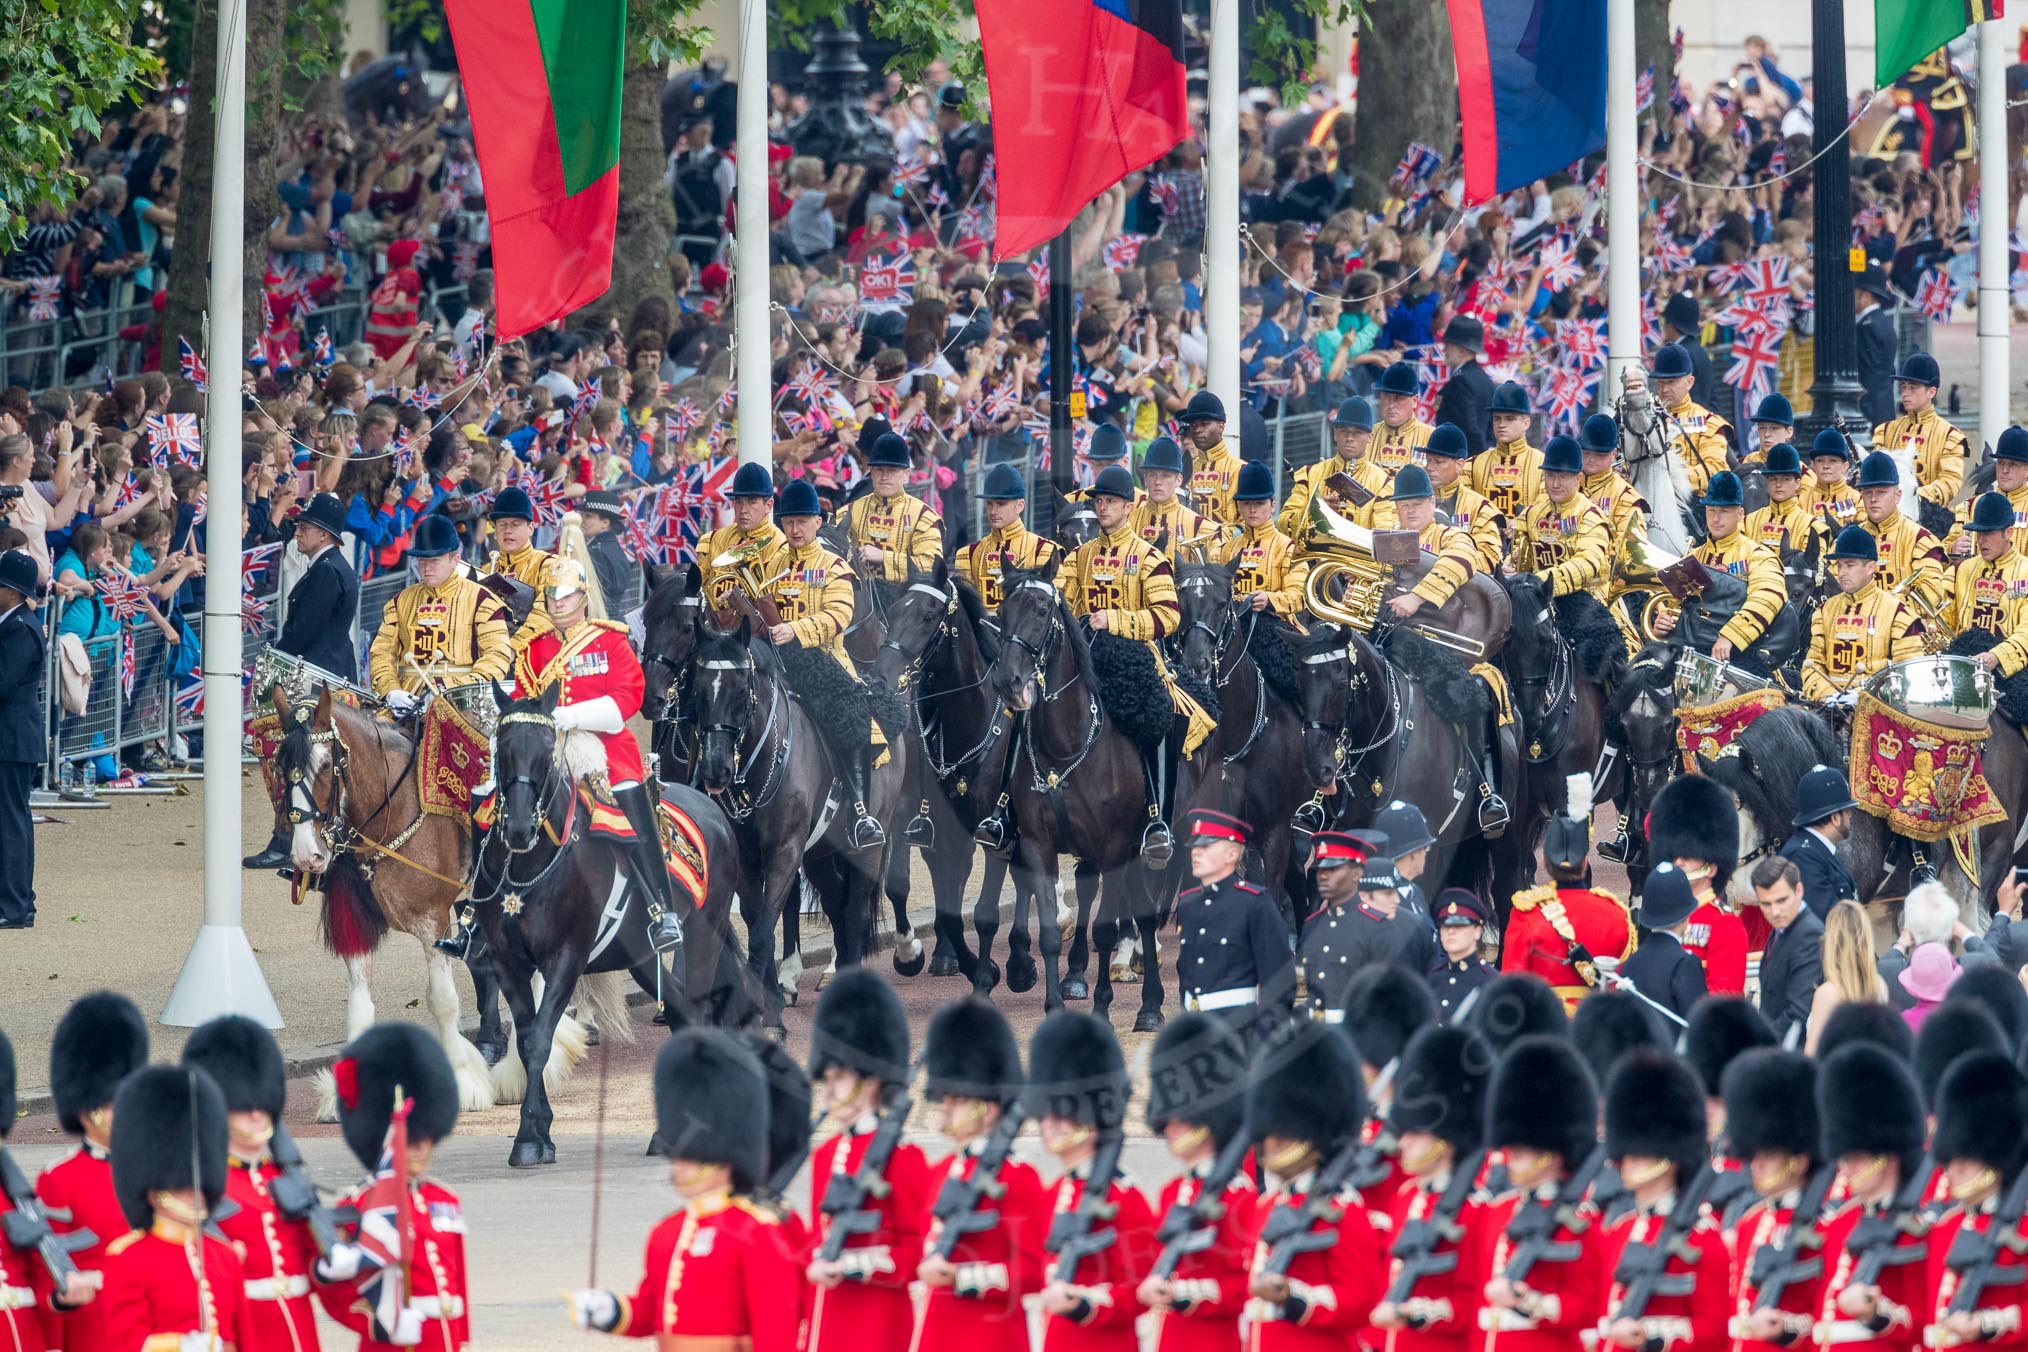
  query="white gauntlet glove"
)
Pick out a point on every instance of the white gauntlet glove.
point(401, 702)
point(598, 1310)
point(339, 1265)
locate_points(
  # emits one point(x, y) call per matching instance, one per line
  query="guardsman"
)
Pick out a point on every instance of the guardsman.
point(1305, 1103)
point(1234, 959)
point(443, 629)
point(1108, 448)
point(752, 537)
point(1728, 549)
point(1625, 510)
point(386, 1060)
point(1786, 523)
point(1077, 1092)
point(1160, 516)
point(1509, 472)
point(1401, 435)
point(2010, 480)
point(169, 1285)
point(1721, 1030)
point(1216, 469)
point(1699, 436)
point(275, 1253)
point(1989, 591)
point(1007, 538)
point(1444, 460)
point(1120, 584)
point(1384, 1008)
point(1982, 1142)
point(1911, 559)
point(1771, 1128)
point(1562, 536)
point(1438, 1116)
point(973, 1073)
point(99, 1041)
point(1559, 932)
point(1827, 489)
point(1197, 1104)
point(597, 679)
point(1461, 920)
point(717, 1272)
point(891, 532)
point(1774, 424)
point(1660, 970)
point(1862, 629)
point(1939, 447)
point(812, 588)
point(26, 1289)
point(514, 553)
point(1694, 824)
point(1542, 1116)
point(1874, 1130)
point(1263, 561)
point(859, 1052)
point(1654, 1132)
point(1351, 455)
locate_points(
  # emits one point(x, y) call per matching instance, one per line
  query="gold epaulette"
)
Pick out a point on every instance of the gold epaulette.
point(758, 1210)
point(615, 626)
point(1533, 897)
point(124, 1242)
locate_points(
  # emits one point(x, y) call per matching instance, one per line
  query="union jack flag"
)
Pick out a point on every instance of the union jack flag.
point(289, 290)
point(988, 190)
point(551, 500)
point(43, 296)
point(914, 168)
point(200, 508)
point(996, 405)
point(130, 489)
point(1583, 342)
point(582, 404)
point(811, 383)
point(126, 598)
point(684, 417)
point(1559, 265)
point(1754, 357)
point(190, 701)
point(257, 561)
point(386, 1217)
point(193, 365)
point(402, 452)
point(253, 613)
point(1766, 279)
point(1644, 89)
point(1671, 256)
point(816, 418)
point(1727, 276)
point(1569, 393)
point(937, 197)
point(975, 226)
point(1166, 195)
point(1651, 322)
point(1038, 268)
point(422, 396)
point(325, 352)
point(1417, 165)
point(464, 260)
point(1777, 163)
point(887, 283)
point(728, 399)
point(641, 539)
point(1121, 251)
point(1937, 294)
point(173, 439)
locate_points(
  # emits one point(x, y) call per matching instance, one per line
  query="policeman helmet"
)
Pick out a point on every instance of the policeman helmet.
point(1822, 793)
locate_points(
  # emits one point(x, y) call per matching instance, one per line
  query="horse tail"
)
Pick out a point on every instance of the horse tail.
point(353, 922)
point(604, 997)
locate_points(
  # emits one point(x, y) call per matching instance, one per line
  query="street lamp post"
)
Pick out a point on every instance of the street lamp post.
point(1836, 389)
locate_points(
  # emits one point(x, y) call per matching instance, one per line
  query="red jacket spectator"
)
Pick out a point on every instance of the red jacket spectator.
point(390, 315)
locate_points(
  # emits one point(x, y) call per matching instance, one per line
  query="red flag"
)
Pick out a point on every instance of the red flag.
point(1084, 93)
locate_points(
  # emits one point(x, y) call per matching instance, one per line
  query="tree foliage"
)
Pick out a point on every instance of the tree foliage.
point(1286, 57)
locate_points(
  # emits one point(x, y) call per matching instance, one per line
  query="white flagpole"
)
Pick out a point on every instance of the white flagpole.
point(1995, 295)
point(1623, 200)
point(1221, 214)
point(752, 363)
point(221, 975)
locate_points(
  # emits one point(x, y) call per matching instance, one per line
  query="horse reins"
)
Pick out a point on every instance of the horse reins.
point(544, 792)
point(772, 785)
point(341, 836)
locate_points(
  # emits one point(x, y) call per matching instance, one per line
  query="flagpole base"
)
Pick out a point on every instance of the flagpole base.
point(221, 976)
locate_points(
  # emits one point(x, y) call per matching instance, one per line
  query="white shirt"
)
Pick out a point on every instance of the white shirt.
point(558, 384)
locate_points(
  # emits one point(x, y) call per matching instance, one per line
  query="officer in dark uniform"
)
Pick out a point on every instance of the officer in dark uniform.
point(1408, 840)
point(1461, 921)
point(1823, 815)
point(1326, 949)
point(605, 522)
point(1467, 400)
point(1876, 345)
point(1349, 935)
point(1660, 969)
point(1236, 960)
point(325, 601)
point(23, 739)
point(1682, 315)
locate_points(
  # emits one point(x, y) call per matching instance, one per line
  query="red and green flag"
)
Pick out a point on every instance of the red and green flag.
point(542, 80)
point(1905, 31)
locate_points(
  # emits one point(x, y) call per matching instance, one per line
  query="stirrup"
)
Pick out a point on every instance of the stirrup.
point(1158, 844)
point(991, 832)
point(665, 930)
point(457, 943)
point(866, 833)
point(1493, 818)
point(1309, 818)
point(920, 832)
point(1920, 870)
point(1620, 848)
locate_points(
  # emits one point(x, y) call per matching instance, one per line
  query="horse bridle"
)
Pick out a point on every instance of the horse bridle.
point(338, 834)
point(911, 667)
point(747, 802)
point(543, 793)
point(1557, 685)
point(669, 664)
point(1046, 781)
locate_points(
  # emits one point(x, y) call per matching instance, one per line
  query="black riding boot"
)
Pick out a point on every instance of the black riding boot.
point(651, 870)
point(921, 832)
point(458, 942)
point(1493, 816)
point(274, 855)
point(1158, 842)
point(866, 833)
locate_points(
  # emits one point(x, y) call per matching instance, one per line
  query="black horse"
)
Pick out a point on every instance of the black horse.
point(1076, 786)
point(1643, 713)
point(557, 904)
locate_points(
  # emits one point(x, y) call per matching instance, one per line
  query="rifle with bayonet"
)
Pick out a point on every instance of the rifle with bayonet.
point(1087, 1230)
point(846, 1195)
point(958, 1210)
point(1536, 1222)
point(1427, 1246)
point(1798, 1257)
point(27, 1226)
point(1642, 1273)
point(296, 1197)
point(1975, 1255)
point(1190, 1227)
point(1875, 1242)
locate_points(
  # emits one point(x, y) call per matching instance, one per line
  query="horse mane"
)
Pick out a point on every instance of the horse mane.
point(668, 595)
point(1268, 643)
point(974, 606)
point(1769, 758)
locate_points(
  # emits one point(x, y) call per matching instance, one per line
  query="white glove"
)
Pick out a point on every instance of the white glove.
point(341, 1264)
point(196, 1342)
point(598, 1310)
point(400, 701)
point(1844, 699)
point(408, 1328)
point(568, 717)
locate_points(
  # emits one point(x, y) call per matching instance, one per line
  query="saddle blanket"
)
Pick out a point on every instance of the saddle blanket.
point(684, 849)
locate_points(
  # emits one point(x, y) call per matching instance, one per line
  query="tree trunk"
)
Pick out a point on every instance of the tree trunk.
point(647, 218)
point(1408, 90)
point(190, 260)
point(1654, 44)
point(265, 20)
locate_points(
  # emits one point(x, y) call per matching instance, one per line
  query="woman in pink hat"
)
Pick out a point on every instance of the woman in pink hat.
point(1930, 973)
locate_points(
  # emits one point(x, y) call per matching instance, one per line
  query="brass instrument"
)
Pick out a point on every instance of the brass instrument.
point(1637, 569)
point(748, 586)
point(1936, 631)
point(1340, 552)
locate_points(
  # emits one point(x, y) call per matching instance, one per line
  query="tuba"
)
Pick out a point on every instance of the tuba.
point(1637, 569)
point(1347, 583)
point(1936, 631)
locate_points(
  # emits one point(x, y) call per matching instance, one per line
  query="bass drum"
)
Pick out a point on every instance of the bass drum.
point(475, 704)
point(1952, 692)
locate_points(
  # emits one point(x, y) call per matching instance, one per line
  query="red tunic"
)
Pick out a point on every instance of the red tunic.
point(2008, 1302)
point(153, 1297)
point(275, 1256)
point(723, 1269)
point(1452, 1297)
point(1576, 1286)
point(996, 1266)
point(1598, 920)
point(1766, 1223)
point(82, 1183)
point(1903, 1287)
point(596, 660)
point(1690, 1323)
point(1114, 1276)
point(1212, 1283)
point(1717, 938)
point(436, 1277)
point(25, 1289)
point(1337, 1286)
point(871, 1308)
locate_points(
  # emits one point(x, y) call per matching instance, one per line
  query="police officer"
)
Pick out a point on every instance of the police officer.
point(1698, 435)
point(1161, 517)
point(1939, 447)
point(1007, 540)
point(1265, 569)
point(1660, 969)
point(1563, 538)
point(892, 532)
point(1236, 960)
point(1467, 399)
point(1461, 919)
point(1509, 472)
point(1401, 435)
point(619, 577)
point(1408, 840)
point(1861, 630)
point(1351, 455)
point(444, 628)
point(1216, 472)
point(325, 600)
point(23, 735)
point(1824, 808)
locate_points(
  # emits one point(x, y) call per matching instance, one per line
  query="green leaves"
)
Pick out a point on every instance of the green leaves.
point(1283, 55)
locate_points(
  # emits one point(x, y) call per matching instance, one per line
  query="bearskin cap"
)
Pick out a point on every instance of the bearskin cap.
point(1695, 818)
point(1197, 1076)
point(10, 1104)
point(711, 1104)
point(1999, 990)
point(1870, 1104)
point(1075, 1070)
point(970, 1052)
point(1441, 1087)
point(1307, 1086)
point(385, 1057)
point(241, 1056)
point(1982, 1114)
point(1515, 1005)
point(1609, 1024)
point(166, 1118)
point(1655, 1107)
point(1951, 1031)
point(1543, 1096)
point(788, 1103)
point(98, 1042)
point(860, 1026)
point(1866, 1021)
point(1384, 1005)
point(1771, 1104)
point(1720, 1030)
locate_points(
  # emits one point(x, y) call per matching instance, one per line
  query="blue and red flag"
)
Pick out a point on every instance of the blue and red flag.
point(1084, 93)
point(1531, 88)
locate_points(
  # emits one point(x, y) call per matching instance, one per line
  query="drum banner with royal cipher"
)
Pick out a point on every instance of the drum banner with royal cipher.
point(453, 760)
point(1923, 779)
point(1708, 730)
